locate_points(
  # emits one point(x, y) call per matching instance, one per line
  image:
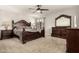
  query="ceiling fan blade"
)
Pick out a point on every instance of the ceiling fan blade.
point(44, 9)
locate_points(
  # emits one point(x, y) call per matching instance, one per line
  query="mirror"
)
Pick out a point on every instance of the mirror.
point(63, 21)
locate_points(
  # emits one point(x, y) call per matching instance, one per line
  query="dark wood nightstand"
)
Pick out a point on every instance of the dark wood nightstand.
point(5, 34)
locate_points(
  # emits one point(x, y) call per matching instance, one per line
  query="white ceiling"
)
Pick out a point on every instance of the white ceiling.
point(25, 8)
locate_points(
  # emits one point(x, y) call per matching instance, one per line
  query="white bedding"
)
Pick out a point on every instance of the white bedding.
point(33, 30)
point(18, 32)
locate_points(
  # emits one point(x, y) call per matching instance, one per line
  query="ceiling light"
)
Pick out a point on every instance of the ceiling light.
point(39, 11)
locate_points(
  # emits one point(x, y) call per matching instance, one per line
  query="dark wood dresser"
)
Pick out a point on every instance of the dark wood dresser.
point(73, 41)
point(72, 38)
point(60, 32)
point(5, 34)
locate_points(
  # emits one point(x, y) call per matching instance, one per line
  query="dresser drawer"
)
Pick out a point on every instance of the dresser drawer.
point(7, 31)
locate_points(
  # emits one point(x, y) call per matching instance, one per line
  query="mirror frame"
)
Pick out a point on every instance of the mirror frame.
point(65, 16)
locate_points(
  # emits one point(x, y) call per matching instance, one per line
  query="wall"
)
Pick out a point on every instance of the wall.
point(77, 11)
point(7, 17)
point(50, 20)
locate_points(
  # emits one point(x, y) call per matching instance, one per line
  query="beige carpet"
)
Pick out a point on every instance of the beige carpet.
point(41, 45)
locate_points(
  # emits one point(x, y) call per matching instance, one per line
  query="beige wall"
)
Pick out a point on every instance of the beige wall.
point(7, 17)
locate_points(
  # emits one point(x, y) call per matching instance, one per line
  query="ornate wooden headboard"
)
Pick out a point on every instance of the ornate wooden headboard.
point(22, 22)
point(63, 21)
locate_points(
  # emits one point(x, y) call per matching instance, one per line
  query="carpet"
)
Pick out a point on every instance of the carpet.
point(41, 45)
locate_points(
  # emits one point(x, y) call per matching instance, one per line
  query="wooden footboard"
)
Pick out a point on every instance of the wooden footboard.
point(28, 36)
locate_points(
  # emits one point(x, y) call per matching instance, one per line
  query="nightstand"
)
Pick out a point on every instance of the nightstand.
point(5, 34)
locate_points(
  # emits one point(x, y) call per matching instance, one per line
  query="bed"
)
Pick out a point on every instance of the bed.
point(22, 29)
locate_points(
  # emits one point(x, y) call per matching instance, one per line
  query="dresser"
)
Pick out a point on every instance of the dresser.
point(72, 38)
point(73, 41)
point(5, 34)
point(60, 32)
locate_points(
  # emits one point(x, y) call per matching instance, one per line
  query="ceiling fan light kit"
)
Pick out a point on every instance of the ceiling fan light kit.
point(38, 9)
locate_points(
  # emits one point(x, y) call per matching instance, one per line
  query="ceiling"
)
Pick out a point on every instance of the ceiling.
point(25, 8)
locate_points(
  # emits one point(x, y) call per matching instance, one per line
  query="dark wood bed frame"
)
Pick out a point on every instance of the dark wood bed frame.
point(26, 35)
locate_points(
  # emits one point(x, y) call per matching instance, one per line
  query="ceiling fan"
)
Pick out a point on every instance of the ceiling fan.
point(38, 9)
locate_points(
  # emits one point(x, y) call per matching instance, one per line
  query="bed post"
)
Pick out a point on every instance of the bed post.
point(12, 27)
point(23, 29)
point(12, 24)
point(23, 38)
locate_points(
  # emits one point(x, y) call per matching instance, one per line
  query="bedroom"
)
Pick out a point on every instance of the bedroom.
point(39, 38)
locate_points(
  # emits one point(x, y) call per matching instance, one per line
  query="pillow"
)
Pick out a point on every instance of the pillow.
point(18, 25)
point(18, 29)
